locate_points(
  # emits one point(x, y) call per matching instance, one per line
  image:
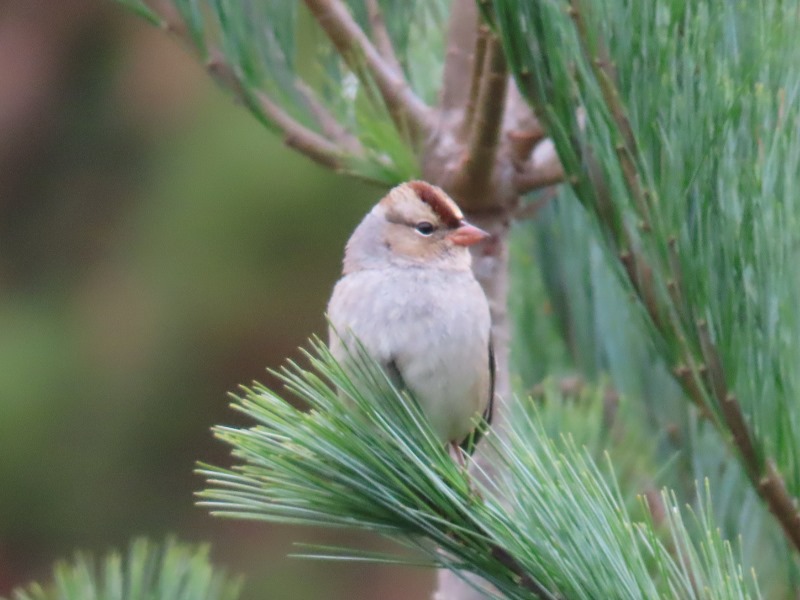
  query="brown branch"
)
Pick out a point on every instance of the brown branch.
point(783, 506)
point(409, 114)
point(535, 158)
point(729, 406)
point(524, 129)
point(462, 34)
point(640, 274)
point(482, 145)
point(522, 142)
point(380, 34)
point(542, 169)
point(299, 137)
point(476, 71)
point(628, 151)
point(688, 378)
point(764, 474)
point(674, 285)
point(295, 135)
point(331, 127)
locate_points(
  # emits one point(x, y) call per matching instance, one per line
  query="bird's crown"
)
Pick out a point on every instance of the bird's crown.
point(419, 200)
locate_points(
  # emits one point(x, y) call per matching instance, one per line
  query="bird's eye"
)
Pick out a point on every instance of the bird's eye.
point(424, 228)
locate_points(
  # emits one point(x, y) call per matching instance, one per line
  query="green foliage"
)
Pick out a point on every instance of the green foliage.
point(672, 257)
point(710, 101)
point(416, 28)
point(709, 93)
point(572, 319)
point(363, 456)
point(275, 48)
point(171, 571)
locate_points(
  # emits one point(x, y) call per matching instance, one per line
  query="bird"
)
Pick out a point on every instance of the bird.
point(407, 293)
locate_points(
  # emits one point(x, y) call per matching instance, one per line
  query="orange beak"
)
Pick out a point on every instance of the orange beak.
point(467, 235)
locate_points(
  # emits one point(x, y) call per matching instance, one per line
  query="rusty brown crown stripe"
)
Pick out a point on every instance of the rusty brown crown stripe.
point(444, 208)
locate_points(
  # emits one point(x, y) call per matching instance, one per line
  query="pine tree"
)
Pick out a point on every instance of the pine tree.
point(635, 162)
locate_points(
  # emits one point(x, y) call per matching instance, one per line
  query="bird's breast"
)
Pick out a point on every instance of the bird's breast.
point(434, 325)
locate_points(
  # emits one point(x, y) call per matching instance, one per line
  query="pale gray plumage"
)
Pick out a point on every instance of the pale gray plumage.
point(413, 302)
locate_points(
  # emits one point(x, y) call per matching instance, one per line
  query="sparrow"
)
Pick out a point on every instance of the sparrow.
point(407, 293)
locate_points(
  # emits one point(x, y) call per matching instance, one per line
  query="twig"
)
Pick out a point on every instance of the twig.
point(331, 127)
point(782, 505)
point(628, 151)
point(729, 406)
point(640, 274)
point(383, 41)
point(534, 156)
point(526, 581)
point(299, 137)
point(524, 129)
point(409, 113)
point(542, 169)
point(478, 56)
point(295, 135)
point(688, 378)
point(674, 285)
point(521, 143)
point(482, 145)
point(461, 54)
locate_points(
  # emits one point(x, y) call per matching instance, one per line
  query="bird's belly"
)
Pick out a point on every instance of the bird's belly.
point(451, 386)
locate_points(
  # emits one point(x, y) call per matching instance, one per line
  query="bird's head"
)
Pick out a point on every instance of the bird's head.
point(415, 224)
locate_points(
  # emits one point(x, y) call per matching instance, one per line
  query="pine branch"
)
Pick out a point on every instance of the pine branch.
point(330, 126)
point(169, 571)
point(764, 476)
point(409, 114)
point(475, 78)
point(380, 34)
point(370, 460)
point(526, 581)
point(653, 275)
point(364, 456)
point(295, 135)
point(481, 151)
point(628, 151)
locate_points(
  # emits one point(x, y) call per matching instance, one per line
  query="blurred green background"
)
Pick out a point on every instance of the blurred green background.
point(157, 248)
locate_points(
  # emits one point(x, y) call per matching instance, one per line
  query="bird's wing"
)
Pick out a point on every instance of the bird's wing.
point(471, 441)
point(489, 412)
point(396, 377)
